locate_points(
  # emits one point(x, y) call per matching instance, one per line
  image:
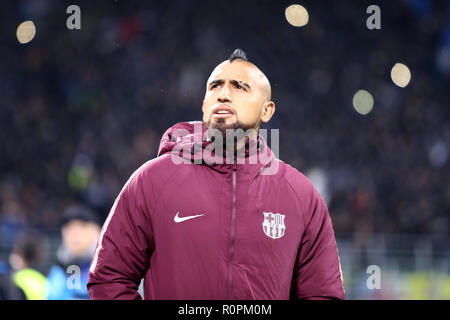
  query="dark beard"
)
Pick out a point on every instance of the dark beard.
point(222, 127)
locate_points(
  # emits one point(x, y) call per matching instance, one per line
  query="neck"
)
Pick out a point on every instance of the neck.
point(237, 145)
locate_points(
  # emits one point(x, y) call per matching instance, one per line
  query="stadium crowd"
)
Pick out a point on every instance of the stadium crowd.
point(82, 109)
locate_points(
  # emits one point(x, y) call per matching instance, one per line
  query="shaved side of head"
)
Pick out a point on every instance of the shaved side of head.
point(240, 55)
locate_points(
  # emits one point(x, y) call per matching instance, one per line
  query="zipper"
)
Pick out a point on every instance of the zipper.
point(232, 234)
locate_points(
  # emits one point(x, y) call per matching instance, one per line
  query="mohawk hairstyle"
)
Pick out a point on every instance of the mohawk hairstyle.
point(238, 54)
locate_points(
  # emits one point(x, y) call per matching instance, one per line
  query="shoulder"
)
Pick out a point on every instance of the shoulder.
point(152, 173)
point(295, 178)
point(153, 166)
point(157, 167)
point(308, 197)
point(299, 184)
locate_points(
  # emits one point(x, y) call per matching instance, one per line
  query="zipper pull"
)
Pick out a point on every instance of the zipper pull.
point(234, 166)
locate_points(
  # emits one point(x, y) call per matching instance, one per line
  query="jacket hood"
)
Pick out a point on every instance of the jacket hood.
point(189, 141)
point(182, 132)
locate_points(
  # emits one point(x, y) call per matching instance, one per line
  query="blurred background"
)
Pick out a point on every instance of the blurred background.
point(81, 109)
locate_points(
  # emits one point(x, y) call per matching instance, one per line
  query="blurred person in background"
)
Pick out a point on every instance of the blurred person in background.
point(24, 281)
point(3, 279)
point(80, 230)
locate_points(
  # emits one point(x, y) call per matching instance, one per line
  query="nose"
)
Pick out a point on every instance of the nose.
point(225, 95)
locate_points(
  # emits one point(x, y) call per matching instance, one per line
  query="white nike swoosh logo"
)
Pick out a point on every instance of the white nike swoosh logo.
point(178, 219)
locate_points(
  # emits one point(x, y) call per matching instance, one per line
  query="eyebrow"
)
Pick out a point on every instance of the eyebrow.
point(234, 82)
point(242, 83)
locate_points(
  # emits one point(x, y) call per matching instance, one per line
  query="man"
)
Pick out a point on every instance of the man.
point(25, 282)
point(80, 229)
point(213, 229)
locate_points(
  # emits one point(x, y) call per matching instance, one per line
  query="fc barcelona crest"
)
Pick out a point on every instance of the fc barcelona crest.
point(273, 225)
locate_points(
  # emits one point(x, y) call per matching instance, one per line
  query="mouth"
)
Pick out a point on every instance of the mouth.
point(222, 111)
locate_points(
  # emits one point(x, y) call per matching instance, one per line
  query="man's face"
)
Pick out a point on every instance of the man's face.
point(79, 236)
point(237, 96)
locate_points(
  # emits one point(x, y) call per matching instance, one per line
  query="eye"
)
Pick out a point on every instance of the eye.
point(239, 87)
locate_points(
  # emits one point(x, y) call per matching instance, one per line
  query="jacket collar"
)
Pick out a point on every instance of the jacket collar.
point(188, 140)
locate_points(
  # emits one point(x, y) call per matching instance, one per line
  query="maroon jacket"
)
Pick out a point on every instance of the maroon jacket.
point(215, 231)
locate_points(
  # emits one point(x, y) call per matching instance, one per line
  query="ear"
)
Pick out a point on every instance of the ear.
point(267, 111)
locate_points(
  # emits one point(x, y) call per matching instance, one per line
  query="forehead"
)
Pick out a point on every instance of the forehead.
point(237, 70)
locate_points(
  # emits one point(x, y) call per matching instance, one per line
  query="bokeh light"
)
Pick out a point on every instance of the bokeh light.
point(26, 32)
point(363, 102)
point(297, 15)
point(400, 75)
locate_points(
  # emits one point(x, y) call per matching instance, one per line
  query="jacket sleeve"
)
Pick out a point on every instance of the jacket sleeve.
point(124, 247)
point(317, 273)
